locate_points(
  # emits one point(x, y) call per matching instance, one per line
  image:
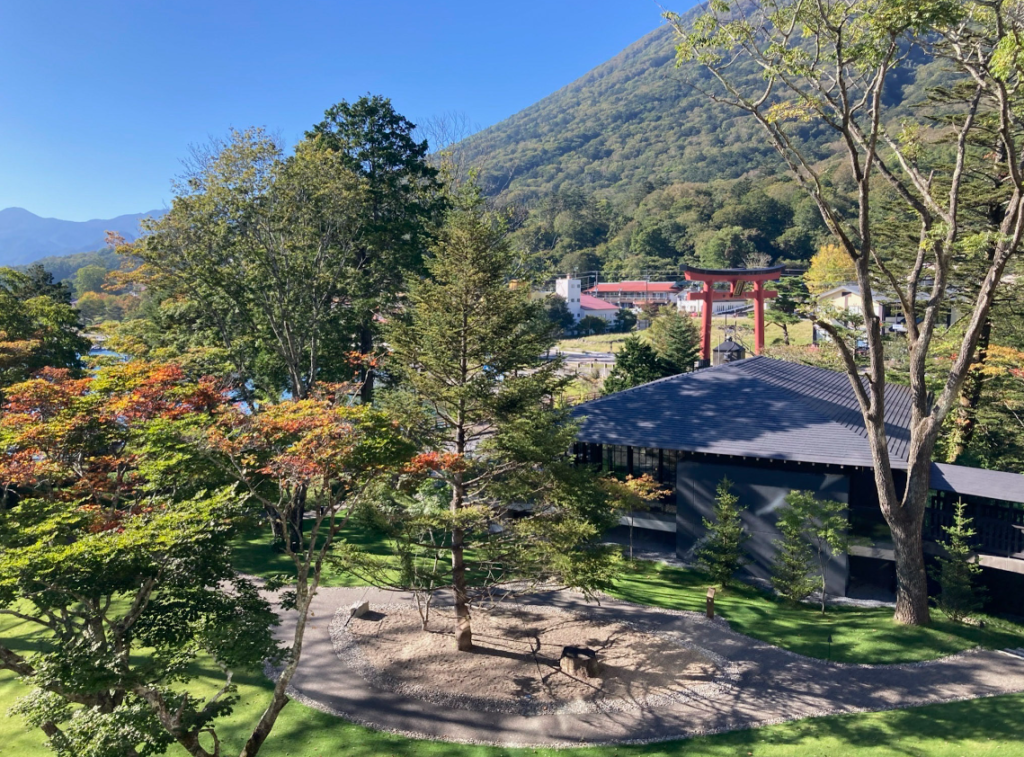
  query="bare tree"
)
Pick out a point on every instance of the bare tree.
point(827, 63)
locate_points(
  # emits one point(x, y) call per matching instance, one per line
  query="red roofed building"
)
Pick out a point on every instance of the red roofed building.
point(630, 293)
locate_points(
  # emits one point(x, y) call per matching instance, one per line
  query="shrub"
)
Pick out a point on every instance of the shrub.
point(721, 555)
point(958, 597)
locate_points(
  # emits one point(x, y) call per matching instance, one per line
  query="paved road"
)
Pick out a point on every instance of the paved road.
point(771, 685)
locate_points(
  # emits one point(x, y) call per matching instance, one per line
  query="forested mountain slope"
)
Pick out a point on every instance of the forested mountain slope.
point(631, 171)
point(26, 237)
point(635, 119)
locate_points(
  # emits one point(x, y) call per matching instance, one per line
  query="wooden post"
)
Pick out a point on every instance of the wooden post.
point(711, 603)
point(758, 317)
point(705, 341)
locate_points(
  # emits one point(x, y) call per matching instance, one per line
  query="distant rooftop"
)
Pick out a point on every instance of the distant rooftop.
point(758, 407)
point(593, 303)
point(775, 410)
point(636, 286)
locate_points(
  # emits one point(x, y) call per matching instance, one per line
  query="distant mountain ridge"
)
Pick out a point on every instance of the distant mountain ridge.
point(26, 237)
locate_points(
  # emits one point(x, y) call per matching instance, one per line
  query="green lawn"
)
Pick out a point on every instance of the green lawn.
point(741, 328)
point(979, 728)
point(861, 635)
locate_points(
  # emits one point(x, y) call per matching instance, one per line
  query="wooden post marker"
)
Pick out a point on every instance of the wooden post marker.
point(711, 603)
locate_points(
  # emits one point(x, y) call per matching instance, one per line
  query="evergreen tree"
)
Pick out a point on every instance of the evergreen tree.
point(674, 336)
point(790, 569)
point(783, 310)
point(824, 524)
point(635, 364)
point(506, 506)
point(956, 572)
point(721, 554)
point(404, 202)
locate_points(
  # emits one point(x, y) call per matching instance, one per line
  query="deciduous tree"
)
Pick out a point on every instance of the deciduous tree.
point(829, 64)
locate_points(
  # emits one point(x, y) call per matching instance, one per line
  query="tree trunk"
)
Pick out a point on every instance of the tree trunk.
point(911, 577)
point(366, 348)
point(463, 629)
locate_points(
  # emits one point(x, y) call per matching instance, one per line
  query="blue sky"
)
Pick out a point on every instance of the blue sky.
point(99, 101)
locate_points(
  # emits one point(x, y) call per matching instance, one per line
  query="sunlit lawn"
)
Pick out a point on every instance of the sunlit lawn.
point(861, 635)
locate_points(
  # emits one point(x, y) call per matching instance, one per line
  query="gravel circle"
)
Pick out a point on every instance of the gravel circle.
point(725, 677)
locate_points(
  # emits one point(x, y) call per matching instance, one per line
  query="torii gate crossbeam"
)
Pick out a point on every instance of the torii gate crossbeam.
point(737, 278)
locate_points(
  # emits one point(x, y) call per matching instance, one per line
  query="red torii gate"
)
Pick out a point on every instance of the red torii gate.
point(737, 279)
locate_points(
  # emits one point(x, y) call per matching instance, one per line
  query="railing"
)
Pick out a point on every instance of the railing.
point(1000, 530)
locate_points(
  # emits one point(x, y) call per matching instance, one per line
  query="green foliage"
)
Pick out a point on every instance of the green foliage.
point(38, 326)
point(89, 278)
point(557, 311)
point(493, 501)
point(721, 553)
point(823, 523)
point(591, 325)
point(674, 336)
point(636, 363)
point(791, 567)
point(785, 309)
point(957, 570)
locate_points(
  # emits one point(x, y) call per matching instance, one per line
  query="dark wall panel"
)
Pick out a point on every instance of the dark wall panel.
point(761, 493)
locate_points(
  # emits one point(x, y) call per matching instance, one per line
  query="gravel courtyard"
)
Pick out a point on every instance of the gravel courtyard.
point(761, 684)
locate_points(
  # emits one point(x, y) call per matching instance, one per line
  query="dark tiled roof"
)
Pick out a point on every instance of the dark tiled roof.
point(993, 484)
point(758, 407)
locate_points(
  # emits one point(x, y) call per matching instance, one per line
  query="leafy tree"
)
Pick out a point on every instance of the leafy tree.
point(557, 311)
point(591, 324)
point(636, 363)
point(129, 487)
point(36, 330)
point(35, 281)
point(404, 203)
point(502, 505)
point(721, 553)
point(264, 247)
point(830, 267)
point(90, 279)
point(823, 523)
point(957, 570)
point(625, 319)
point(784, 309)
point(791, 575)
point(839, 88)
point(675, 338)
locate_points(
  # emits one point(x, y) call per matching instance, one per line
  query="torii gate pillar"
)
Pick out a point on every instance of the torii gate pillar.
point(737, 278)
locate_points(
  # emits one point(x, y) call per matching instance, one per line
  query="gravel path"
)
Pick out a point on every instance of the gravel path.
point(769, 685)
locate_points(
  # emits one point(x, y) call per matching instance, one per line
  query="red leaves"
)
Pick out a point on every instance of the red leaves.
point(69, 436)
point(436, 461)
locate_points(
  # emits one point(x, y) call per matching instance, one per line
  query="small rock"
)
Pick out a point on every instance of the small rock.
point(359, 609)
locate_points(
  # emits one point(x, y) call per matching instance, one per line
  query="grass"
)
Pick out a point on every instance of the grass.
point(859, 635)
point(742, 329)
point(981, 728)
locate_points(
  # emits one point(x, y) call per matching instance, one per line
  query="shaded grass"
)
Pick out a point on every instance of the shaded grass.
point(859, 634)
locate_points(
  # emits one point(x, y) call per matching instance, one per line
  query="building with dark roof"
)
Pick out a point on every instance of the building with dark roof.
point(771, 427)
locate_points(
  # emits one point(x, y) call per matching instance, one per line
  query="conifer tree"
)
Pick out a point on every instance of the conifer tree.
point(635, 364)
point(675, 338)
point(721, 554)
point(505, 507)
point(956, 572)
point(790, 569)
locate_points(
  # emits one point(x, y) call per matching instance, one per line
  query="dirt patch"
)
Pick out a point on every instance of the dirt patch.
point(514, 666)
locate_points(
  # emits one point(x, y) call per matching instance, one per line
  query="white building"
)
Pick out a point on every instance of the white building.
point(583, 305)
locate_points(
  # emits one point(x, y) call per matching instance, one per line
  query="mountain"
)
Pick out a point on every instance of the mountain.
point(26, 237)
point(633, 122)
